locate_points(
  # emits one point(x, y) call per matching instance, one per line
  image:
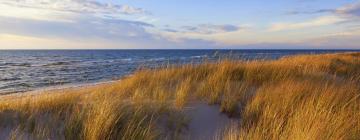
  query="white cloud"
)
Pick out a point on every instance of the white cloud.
point(350, 10)
point(347, 13)
point(78, 6)
point(84, 27)
point(35, 14)
point(87, 23)
point(70, 19)
point(337, 40)
point(211, 28)
point(67, 10)
point(222, 35)
point(321, 21)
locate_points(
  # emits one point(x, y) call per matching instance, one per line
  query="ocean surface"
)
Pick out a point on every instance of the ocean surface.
point(26, 70)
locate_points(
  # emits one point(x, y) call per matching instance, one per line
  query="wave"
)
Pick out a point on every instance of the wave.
point(16, 64)
point(3, 67)
point(57, 64)
point(199, 56)
point(157, 59)
point(10, 79)
point(127, 59)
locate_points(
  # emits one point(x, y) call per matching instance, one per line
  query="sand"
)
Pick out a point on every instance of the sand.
point(206, 121)
point(56, 89)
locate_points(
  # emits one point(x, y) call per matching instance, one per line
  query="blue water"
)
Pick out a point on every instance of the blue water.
point(25, 70)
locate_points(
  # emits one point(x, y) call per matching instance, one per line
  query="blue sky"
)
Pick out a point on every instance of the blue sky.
point(185, 24)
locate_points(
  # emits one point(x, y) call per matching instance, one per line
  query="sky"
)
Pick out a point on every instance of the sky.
point(180, 24)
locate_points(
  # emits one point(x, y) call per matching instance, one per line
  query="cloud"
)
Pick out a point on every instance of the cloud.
point(311, 12)
point(77, 6)
point(71, 19)
point(170, 30)
point(93, 24)
point(347, 10)
point(349, 15)
point(321, 21)
point(350, 10)
point(82, 24)
point(69, 10)
point(109, 34)
point(210, 28)
point(346, 40)
point(86, 27)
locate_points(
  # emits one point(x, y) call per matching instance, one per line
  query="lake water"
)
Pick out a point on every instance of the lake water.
point(25, 70)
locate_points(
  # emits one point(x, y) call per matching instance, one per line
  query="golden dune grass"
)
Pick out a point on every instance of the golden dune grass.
point(296, 97)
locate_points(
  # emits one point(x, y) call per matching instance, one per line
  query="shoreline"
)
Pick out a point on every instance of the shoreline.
point(104, 81)
point(75, 86)
point(78, 86)
point(57, 89)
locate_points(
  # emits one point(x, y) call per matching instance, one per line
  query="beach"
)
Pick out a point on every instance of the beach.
point(56, 89)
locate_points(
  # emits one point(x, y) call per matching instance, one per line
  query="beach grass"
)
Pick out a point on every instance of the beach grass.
point(295, 97)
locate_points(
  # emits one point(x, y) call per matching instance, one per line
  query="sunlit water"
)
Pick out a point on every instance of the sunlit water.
point(29, 70)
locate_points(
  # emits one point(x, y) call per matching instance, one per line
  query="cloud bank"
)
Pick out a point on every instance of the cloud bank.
point(77, 6)
point(94, 24)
